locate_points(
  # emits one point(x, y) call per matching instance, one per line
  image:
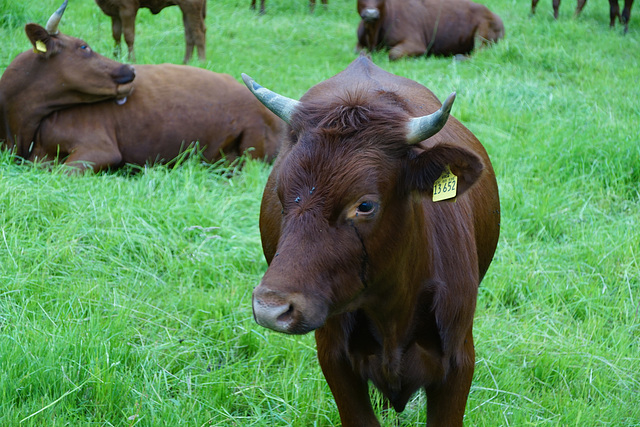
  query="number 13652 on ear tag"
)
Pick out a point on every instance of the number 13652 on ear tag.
point(446, 186)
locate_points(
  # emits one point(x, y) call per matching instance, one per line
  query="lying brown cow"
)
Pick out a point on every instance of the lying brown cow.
point(426, 27)
point(312, 5)
point(359, 252)
point(614, 11)
point(123, 20)
point(62, 99)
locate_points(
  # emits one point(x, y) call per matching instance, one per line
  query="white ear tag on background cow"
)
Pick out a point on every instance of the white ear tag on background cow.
point(40, 46)
point(446, 186)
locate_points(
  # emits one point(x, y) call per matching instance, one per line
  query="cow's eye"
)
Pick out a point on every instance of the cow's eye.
point(366, 208)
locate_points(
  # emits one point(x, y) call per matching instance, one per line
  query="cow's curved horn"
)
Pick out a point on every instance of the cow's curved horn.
point(421, 128)
point(52, 23)
point(280, 105)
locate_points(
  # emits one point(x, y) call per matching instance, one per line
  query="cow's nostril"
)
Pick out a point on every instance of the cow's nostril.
point(286, 316)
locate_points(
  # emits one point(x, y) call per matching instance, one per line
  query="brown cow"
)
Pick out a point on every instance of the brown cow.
point(556, 7)
point(426, 27)
point(614, 11)
point(62, 99)
point(359, 252)
point(312, 5)
point(123, 20)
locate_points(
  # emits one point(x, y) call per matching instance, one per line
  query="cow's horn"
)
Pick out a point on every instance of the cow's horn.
point(421, 128)
point(52, 23)
point(280, 105)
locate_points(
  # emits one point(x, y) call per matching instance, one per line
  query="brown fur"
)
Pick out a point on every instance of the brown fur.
point(614, 11)
point(123, 21)
point(62, 104)
point(391, 295)
point(427, 27)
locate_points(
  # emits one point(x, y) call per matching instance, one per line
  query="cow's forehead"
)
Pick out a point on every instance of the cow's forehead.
point(335, 174)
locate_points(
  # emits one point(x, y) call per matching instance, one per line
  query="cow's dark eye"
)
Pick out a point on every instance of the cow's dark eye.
point(366, 208)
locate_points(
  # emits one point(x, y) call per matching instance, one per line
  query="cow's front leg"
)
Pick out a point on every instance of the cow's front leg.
point(349, 390)
point(96, 158)
point(407, 48)
point(447, 399)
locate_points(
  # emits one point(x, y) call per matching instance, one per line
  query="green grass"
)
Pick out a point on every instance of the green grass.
point(125, 298)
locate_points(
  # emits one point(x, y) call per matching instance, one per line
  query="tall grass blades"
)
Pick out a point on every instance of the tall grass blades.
point(125, 297)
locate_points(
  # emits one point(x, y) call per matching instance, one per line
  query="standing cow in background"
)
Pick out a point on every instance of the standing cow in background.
point(360, 252)
point(614, 11)
point(63, 100)
point(312, 5)
point(426, 27)
point(123, 20)
point(556, 7)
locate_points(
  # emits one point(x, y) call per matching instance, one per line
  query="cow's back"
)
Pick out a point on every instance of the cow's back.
point(171, 106)
point(440, 27)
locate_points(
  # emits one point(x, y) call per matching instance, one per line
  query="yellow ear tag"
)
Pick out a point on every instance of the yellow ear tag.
point(446, 186)
point(40, 46)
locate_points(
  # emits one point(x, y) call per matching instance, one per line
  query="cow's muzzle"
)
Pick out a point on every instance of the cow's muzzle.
point(287, 313)
point(370, 14)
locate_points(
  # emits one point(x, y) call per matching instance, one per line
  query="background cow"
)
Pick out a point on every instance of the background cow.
point(312, 5)
point(431, 27)
point(63, 99)
point(359, 252)
point(614, 11)
point(123, 20)
point(556, 7)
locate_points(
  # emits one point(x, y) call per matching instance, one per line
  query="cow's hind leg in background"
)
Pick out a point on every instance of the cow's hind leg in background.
point(193, 16)
point(580, 6)
point(556, 8)
point(128, 23)
point(626, 14)
point(116, 31)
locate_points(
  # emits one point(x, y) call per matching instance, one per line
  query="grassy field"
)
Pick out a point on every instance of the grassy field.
point(125, 298)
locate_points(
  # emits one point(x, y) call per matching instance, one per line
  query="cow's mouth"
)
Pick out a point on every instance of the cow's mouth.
point(123, 91)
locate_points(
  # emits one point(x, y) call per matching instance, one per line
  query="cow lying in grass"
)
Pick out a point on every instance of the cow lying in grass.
point(426, 27)
point(63, 100)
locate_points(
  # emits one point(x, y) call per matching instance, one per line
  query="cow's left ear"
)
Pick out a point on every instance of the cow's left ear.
point(43, 43)
point(425, 166)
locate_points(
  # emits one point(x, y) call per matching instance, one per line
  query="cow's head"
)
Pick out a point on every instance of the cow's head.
point(346, 201)
point(372, 14)
point(69, 72)
point(370, 10)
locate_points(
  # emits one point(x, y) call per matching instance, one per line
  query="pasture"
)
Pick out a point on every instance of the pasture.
point(125, 297)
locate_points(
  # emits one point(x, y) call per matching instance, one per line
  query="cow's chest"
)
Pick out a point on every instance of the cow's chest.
point(397, 367)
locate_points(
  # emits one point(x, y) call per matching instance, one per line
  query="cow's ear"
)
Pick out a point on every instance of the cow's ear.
point(43, 43)
point(425, 166)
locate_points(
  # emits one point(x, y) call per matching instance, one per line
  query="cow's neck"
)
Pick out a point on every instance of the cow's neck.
point(24, 107)
point(393, 312)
